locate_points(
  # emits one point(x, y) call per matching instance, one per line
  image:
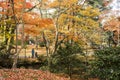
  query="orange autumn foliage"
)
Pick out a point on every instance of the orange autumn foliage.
point(30, 18)
point(17, 4)
point(113, 26)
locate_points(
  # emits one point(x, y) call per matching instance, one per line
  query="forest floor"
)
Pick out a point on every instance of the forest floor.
point(33, 74)
point(28, 74)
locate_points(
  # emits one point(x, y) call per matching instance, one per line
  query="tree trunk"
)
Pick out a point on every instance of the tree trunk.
point(47, 51)
point(69, 69)
point(14, 16)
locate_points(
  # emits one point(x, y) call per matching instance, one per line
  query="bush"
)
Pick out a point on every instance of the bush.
point(28, 63)
point(5, 60)
point(41, 44)
point(44, 63)
point(66, 61)
point(106, 65)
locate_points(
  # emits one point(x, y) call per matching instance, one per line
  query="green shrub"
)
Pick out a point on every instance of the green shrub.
point(106, 65)
point(5, 60)
point(42, 44)
point(66, 61)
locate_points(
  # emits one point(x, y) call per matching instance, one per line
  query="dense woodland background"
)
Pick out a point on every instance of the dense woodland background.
point(74, 39)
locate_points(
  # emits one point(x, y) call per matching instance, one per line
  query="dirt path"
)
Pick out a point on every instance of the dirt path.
point(27, 52)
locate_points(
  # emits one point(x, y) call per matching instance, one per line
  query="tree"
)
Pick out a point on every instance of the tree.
point(15, 13)
point(112, 26)
point(66, 60)
point(72, 21)
point(105, 65)
point(79, 22)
